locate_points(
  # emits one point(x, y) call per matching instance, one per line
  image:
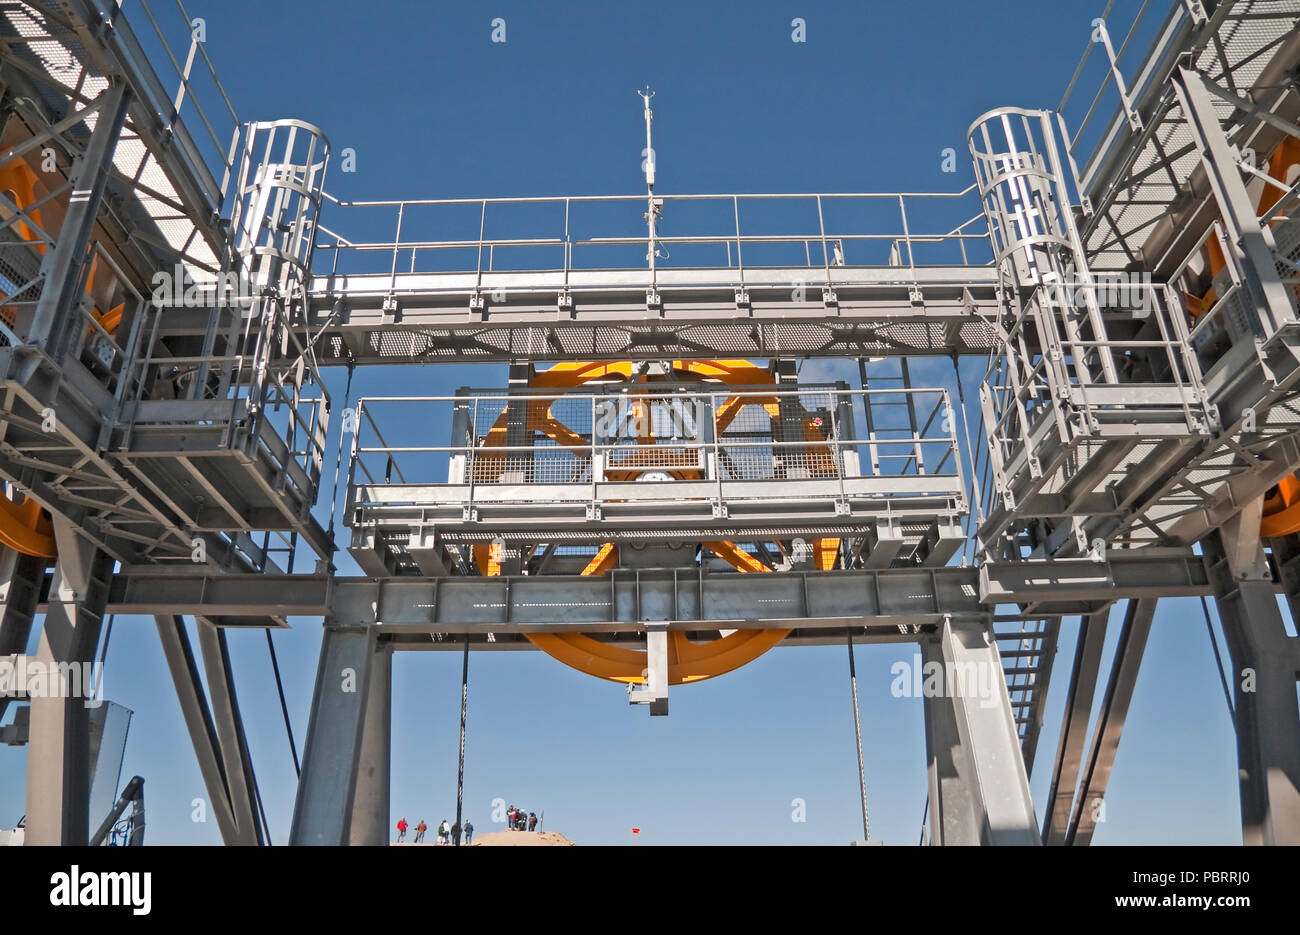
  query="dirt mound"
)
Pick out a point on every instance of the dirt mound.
point(522, 839)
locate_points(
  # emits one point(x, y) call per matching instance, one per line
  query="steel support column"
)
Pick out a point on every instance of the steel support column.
point(236, 763)
point(326, 790)
point(951, 809)
point(1110, 722)
point(979, 791)
point(1265, 667)
point(58, 752)
point(370, 801)
point(1074, 727)
point(198, 720)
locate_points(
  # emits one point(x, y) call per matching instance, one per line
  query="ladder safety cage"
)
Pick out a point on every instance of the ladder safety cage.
point(1094, 381)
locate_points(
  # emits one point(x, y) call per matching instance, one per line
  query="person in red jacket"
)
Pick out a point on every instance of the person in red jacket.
point(401, 830)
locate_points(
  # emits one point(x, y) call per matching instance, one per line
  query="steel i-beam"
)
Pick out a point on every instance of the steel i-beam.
point(331, 756)
point(979, 791)
point(370, 801)
point(1265, 667)
point(1074, 728)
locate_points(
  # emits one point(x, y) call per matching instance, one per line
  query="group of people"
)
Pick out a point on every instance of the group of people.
point(516, 820)
point(519, 820)
point(447, 833)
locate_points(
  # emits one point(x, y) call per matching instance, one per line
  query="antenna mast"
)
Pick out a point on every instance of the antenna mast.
point(654, 206)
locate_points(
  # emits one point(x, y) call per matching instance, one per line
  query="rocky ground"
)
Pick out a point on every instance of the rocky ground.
point(522, 839)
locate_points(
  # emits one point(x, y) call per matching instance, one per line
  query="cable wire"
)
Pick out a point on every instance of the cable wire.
point(1218, 659)
point(284, 706)
point(857, 729)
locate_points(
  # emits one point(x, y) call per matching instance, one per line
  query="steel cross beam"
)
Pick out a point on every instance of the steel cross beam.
point(624, 602)
point(429, 317)
point(1253, 241)
point(873, 320)
point(54, 321)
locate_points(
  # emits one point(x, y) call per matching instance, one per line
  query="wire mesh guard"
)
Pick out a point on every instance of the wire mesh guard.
point(651, 438)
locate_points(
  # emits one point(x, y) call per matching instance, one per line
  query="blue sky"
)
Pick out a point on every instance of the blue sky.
point(434, 109)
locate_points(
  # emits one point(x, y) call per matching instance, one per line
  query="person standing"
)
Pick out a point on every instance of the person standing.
point(401, 830)
point(419, 831)
point(469, 832)
point(510, 819)
point(455, 833)
point(444, 832)
point(532, 821)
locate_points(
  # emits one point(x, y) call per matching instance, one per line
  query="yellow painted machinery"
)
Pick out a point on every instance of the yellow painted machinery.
point(689, 661)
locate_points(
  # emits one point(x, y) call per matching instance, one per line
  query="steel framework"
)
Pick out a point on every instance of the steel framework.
point(656, 486)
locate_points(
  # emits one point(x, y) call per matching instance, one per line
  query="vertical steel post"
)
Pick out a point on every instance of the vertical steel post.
point(58, 754)
point(324, 806)
point(370, 800)
point(1265, 661)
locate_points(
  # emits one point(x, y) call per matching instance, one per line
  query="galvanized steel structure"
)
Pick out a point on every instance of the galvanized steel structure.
point(656, 497)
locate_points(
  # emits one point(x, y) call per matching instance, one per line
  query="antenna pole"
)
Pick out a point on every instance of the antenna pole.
point(654, 206)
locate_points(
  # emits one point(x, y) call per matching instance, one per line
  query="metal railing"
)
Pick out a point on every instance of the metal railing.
point(250, 365)
point(1122, 74)
point(651, 445)
point(1023, 381)
point(568, 241)
point(199, 91)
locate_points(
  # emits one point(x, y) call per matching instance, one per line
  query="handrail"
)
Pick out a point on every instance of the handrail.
point(894, 448)
point(226, 150)
point(1114, 72)
point(906, 236)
